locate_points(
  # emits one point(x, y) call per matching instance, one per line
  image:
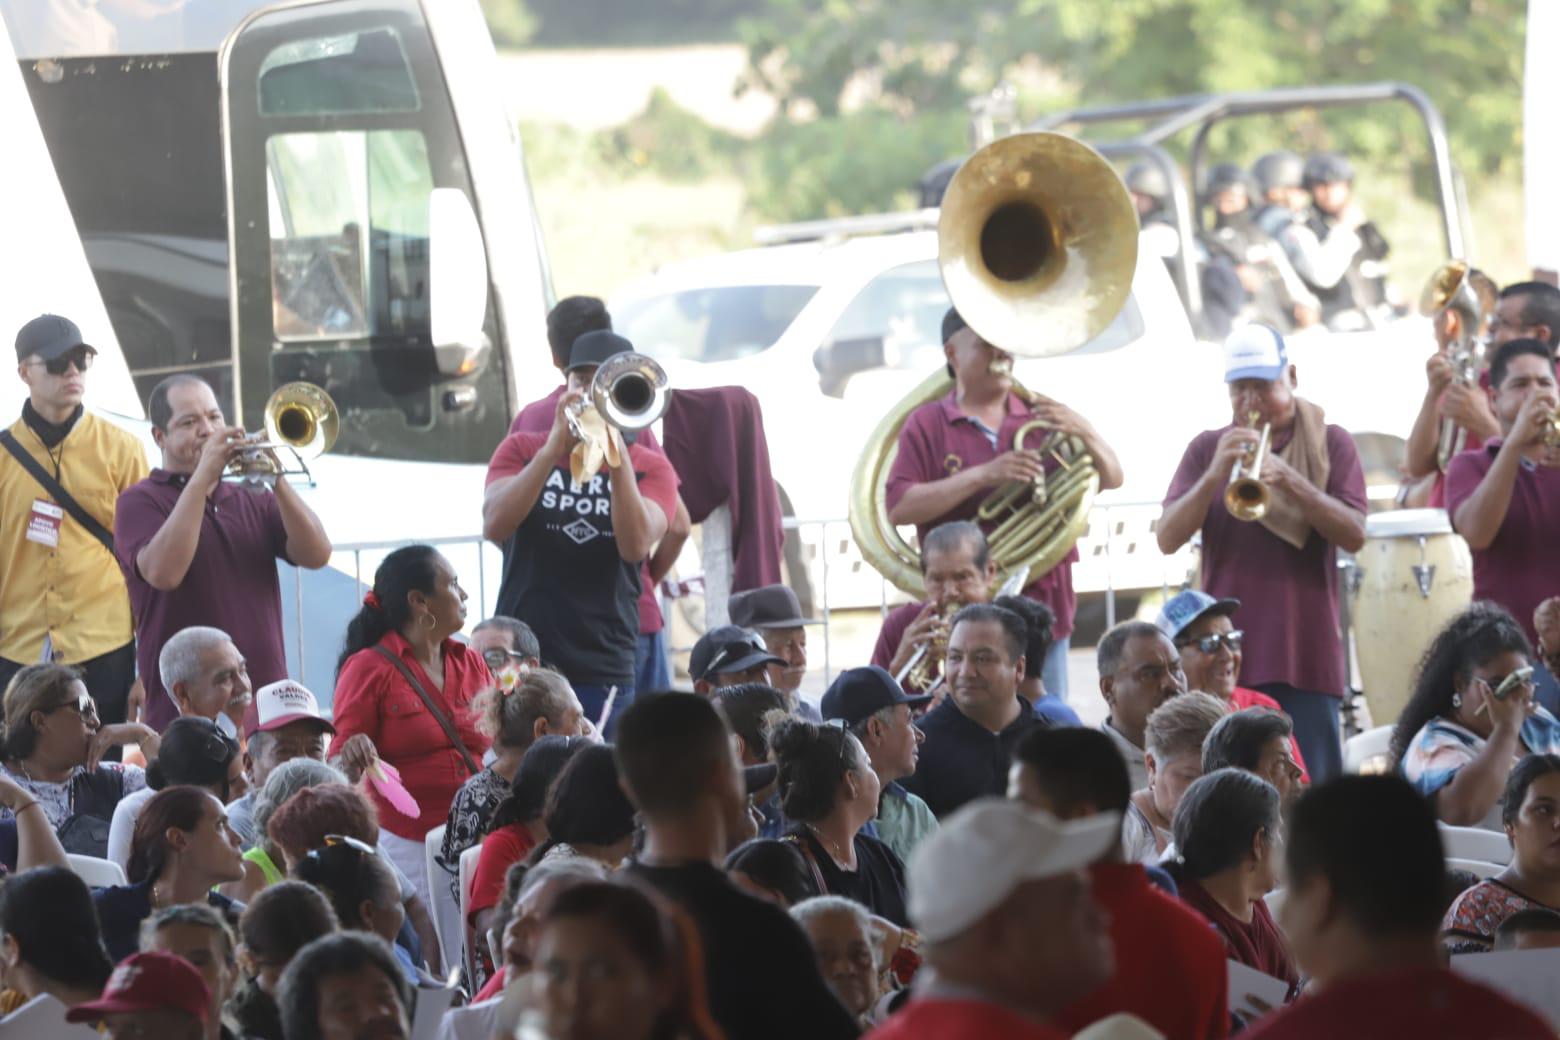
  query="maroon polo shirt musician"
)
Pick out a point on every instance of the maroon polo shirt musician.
point(1283, 568)
point(955, 451)
point(197, 551)
point(1504, 498)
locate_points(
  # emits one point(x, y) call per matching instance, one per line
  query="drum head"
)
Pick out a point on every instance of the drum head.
point(1407, 523)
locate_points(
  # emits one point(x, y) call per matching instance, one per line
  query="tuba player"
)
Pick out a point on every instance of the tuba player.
point(955, 451)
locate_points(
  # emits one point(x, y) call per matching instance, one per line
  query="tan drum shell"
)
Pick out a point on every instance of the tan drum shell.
point(1393, 621)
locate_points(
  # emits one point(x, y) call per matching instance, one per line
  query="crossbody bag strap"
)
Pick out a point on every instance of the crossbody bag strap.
point(59, 494)
point(432, 706)
point(812, 862)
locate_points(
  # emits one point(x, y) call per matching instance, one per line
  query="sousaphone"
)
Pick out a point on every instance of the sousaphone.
point(1037, 245)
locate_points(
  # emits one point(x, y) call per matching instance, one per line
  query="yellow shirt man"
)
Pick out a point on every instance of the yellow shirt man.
point(59, 586)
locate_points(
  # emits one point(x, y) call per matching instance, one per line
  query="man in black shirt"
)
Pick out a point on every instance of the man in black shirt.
point(970, 735)
point(675, 757)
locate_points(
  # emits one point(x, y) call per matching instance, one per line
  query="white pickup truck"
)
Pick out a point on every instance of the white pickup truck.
point(788, 322)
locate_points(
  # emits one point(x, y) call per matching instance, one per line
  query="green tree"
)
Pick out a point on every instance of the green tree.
point(912, 56)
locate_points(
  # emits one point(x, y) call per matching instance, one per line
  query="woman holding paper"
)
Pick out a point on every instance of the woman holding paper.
point(404, 689)
point(1531, 814)
point(1227, 855)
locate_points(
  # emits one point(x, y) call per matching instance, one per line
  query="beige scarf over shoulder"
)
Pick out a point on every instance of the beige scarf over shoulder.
point(1306, 453)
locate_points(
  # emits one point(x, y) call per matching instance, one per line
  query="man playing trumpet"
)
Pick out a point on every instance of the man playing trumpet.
point(1504, 499)
point(1281, 565)
point(957, 570)
point(953, 452)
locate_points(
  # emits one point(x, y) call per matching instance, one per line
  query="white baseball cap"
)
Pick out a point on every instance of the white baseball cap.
point(281, 703)
point(1255, 352)
point(980, 854)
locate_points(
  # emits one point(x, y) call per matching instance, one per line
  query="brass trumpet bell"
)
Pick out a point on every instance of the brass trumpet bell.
point(302, 417)
point(1450, 288)
point(1037, 243)
point(631, 391)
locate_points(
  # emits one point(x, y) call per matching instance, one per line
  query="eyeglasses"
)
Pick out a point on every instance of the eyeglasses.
point(1210, 644)
point(497, 657)
point(81, 357)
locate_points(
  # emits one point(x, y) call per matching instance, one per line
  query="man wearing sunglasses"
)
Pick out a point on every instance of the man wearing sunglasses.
point(1203, 631)
point(62, 596)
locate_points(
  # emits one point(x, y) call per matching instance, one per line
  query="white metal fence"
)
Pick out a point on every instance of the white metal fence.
point(1118, 554)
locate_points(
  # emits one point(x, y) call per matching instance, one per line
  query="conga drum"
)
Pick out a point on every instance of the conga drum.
point(1415, 574)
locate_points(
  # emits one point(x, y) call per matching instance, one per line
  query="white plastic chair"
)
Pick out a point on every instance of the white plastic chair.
point(97, 873)
point(1477, 867)
point(444, 910)
point(1475, 843)
point(1360, 749)
point(468, 867)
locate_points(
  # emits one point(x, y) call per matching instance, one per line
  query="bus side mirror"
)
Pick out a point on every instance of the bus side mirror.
point(457, 281)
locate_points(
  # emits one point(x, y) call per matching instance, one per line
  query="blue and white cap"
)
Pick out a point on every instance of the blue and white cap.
point(1255, 352)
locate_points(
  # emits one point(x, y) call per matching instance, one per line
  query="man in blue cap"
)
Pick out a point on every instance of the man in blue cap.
point(1282, 566)
point(874, 707)
point(1211, 648)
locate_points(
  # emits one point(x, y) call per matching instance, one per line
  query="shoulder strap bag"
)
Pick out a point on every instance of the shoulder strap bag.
point(432, 706)
point(58, 493)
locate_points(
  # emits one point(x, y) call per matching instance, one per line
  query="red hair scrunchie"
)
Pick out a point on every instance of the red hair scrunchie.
point(371, 600)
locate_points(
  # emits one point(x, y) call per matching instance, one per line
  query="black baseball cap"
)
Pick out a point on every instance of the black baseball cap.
point(728, 649)
point(49, 336)
point(593, 348)
point(857, 693)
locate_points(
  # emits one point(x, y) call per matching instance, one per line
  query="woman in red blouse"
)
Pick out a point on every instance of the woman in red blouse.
point(399, 641)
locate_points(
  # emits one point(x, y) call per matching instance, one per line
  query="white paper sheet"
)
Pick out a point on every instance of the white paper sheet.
point(1526, 976)
point(1249, 982)
point(429, 1011)
point(43, 1018)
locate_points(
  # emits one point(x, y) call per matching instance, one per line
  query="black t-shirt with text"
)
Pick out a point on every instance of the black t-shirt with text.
point(563, 575)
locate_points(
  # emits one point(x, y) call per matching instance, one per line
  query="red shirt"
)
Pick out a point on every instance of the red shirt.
point(537, 417)
point(374, 699)
point(1170, 966)
point(945, 1019)
point(1243, 698)
point(1257, 944)
point(1520, 569)
point(937, 441)
point(1404, 1003)
point(1289, 596)
point(501, 849)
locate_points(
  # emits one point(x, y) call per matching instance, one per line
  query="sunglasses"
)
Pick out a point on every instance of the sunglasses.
point(81, 357)
point(838, 725)
point(86, 707)
point(1210, 644)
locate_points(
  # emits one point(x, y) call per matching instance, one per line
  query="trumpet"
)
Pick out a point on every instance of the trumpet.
point(924, 669)
point(630, 391)
point(301, 419)
point(1451, 290)
point(1247, 497)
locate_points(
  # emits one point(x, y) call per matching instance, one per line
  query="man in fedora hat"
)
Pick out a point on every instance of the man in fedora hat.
point(775, 613)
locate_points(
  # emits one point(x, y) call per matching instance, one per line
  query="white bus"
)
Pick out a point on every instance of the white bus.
point(256, 193)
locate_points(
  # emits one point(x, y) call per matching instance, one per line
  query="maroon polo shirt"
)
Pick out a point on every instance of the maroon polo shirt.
point(537, 417)
point(1289, 596)
point(937, 441)
point(231, 584)
point(1520, 569)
